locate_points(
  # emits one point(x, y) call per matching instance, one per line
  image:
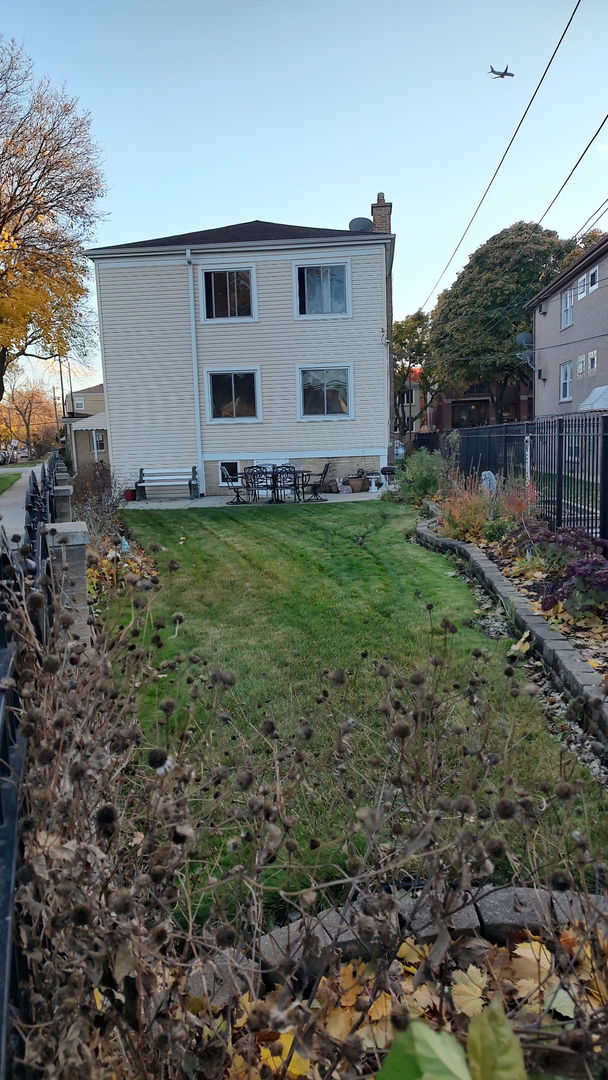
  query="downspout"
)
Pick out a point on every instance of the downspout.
point(200, 467)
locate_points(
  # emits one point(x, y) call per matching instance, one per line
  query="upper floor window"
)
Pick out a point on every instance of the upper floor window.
point(228, 294)
point(594, 278)
point(565, 381)
point(322, 291)
point(233, 395)
point(592, 362)
point(582, 287)
point(78, 405)
point(325, 392)
point(567, 305)
point(580, 365)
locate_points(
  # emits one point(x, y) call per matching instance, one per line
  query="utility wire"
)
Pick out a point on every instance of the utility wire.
point(499, 166)
point(585, 223)
point(573, 169)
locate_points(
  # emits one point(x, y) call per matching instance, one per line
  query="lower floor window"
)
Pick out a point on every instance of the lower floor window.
point(97, 441)
point(229, 471)
point(565, 381)
point(325, 391)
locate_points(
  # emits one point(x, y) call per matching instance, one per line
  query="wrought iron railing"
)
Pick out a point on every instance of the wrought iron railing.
point(18, 561)
point(564, 457)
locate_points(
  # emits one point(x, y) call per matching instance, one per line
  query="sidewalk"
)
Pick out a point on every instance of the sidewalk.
point(12, 502)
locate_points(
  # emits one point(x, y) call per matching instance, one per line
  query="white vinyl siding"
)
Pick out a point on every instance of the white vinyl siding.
point(148, 363)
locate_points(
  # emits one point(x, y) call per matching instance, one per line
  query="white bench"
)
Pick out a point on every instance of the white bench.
point(156, 478)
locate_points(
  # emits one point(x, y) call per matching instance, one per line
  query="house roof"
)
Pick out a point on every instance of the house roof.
point(597, 399)
point(598, 251)
point(246, 232)
point(97, 422)
point(98, 389)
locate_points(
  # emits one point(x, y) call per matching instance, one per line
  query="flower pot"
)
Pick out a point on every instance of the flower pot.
point(355, 483)
point(129, 494)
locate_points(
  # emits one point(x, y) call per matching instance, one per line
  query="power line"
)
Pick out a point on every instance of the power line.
point(573, 169)
point(585, 223)
point(500, 163)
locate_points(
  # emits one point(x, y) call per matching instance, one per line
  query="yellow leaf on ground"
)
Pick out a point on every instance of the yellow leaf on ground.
point(531, 961)
point(298, 1066)
point(523, 645)
point(241, 1069)
point(467, 990)
point(381, 1007)
point(410, 952)
point(352, 976)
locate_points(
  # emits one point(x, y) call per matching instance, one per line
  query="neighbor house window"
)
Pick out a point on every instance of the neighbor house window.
point(594, 278)
point(565, 382)
point(580, 365)
point(322, 290)
point(228, 294)
point(567, 303)
point(325, 392)
point(232, 395)
point(98, 441)
point(228, 469)
point(582, 287)
point(78, 404)
point(592, 362)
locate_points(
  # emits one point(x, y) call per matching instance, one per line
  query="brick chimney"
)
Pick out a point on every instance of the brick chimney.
point(381, 214)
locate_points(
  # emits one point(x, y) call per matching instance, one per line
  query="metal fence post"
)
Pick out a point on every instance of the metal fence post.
point(559, 474)
point(603, 525)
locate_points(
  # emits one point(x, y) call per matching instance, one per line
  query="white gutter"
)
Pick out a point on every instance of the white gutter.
point(116, 251)
point(200, 468)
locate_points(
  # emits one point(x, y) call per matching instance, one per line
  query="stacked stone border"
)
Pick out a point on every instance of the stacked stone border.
point(566, 662)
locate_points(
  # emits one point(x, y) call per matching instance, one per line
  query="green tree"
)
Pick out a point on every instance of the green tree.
point(411, 351)
point(473, 326)
point(581, 247)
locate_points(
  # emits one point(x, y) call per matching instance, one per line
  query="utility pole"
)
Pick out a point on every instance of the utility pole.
point(55, 407)
point(62, 390)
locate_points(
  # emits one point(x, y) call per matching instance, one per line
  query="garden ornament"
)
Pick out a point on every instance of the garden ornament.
point(488, 482)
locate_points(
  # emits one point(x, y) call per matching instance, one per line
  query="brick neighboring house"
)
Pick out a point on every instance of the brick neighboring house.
point(474, 407)
point(87, 426)
point(570, 318)
point(257, 342)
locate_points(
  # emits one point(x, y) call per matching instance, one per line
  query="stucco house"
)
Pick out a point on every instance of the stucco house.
point(571, 337)
point(86, 425)
point(257, 342)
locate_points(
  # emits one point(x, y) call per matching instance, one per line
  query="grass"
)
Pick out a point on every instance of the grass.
point(7, 480)
point(280, 595)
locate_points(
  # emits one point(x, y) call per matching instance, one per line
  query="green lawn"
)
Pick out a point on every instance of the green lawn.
point(281, 595)
point(7, 480)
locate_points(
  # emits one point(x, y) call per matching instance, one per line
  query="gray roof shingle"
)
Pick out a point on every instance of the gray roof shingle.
point(247, 232)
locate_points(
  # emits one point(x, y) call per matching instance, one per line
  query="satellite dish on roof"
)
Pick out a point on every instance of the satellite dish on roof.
point(523, 338)
point(361, 224)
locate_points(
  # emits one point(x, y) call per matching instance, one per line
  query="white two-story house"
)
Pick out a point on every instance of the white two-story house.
point(257, 342)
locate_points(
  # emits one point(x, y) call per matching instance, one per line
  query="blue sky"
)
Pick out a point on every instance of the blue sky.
point(212, 113)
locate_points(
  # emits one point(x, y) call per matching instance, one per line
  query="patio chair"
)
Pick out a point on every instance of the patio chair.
point(258, 479)
point(285, 481)
point(235, 486)
point(314, 484)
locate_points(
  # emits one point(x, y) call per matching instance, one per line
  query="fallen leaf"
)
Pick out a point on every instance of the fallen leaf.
point(467, 990)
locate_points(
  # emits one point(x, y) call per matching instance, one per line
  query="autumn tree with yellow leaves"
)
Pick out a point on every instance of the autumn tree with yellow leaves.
point(50, 183)
point(27, 413)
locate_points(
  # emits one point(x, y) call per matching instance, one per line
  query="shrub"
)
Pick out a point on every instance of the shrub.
point(97, 499)
point(585, 587)
point(497, 529)
point(421, 474)
point(465, 515)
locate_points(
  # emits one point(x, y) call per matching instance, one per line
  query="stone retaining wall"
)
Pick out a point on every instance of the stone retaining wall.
point(566, 662)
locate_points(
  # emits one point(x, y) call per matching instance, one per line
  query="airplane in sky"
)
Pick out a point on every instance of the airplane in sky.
point(506, 74)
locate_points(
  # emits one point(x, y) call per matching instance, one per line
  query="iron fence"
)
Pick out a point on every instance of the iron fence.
point(18, 562)
point(564, 457)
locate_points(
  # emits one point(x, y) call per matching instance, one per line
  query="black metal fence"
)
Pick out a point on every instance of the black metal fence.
point(564, 457)
point(17, 563)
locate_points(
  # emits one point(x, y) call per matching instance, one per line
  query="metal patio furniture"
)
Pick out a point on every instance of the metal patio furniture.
point(311, 488)
point(285, 480)
point(258, 480)
point(235, 485)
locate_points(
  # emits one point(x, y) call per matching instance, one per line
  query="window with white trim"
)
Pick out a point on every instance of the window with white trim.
point(322, 290)
point(565, 381)
point(581, 365)
point(97, 441)
point(229, 472)
point(592, 362)
point(567, 305)
point(78, 405)
point(325, 392)
point(233, 395)
point(582, 287)
point(228, 294)
point(594, 278)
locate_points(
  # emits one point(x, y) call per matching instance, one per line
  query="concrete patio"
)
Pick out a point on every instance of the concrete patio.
point(210, 502)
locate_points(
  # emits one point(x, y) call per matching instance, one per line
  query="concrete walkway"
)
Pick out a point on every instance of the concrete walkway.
point(12, 502)
point(210, 502)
